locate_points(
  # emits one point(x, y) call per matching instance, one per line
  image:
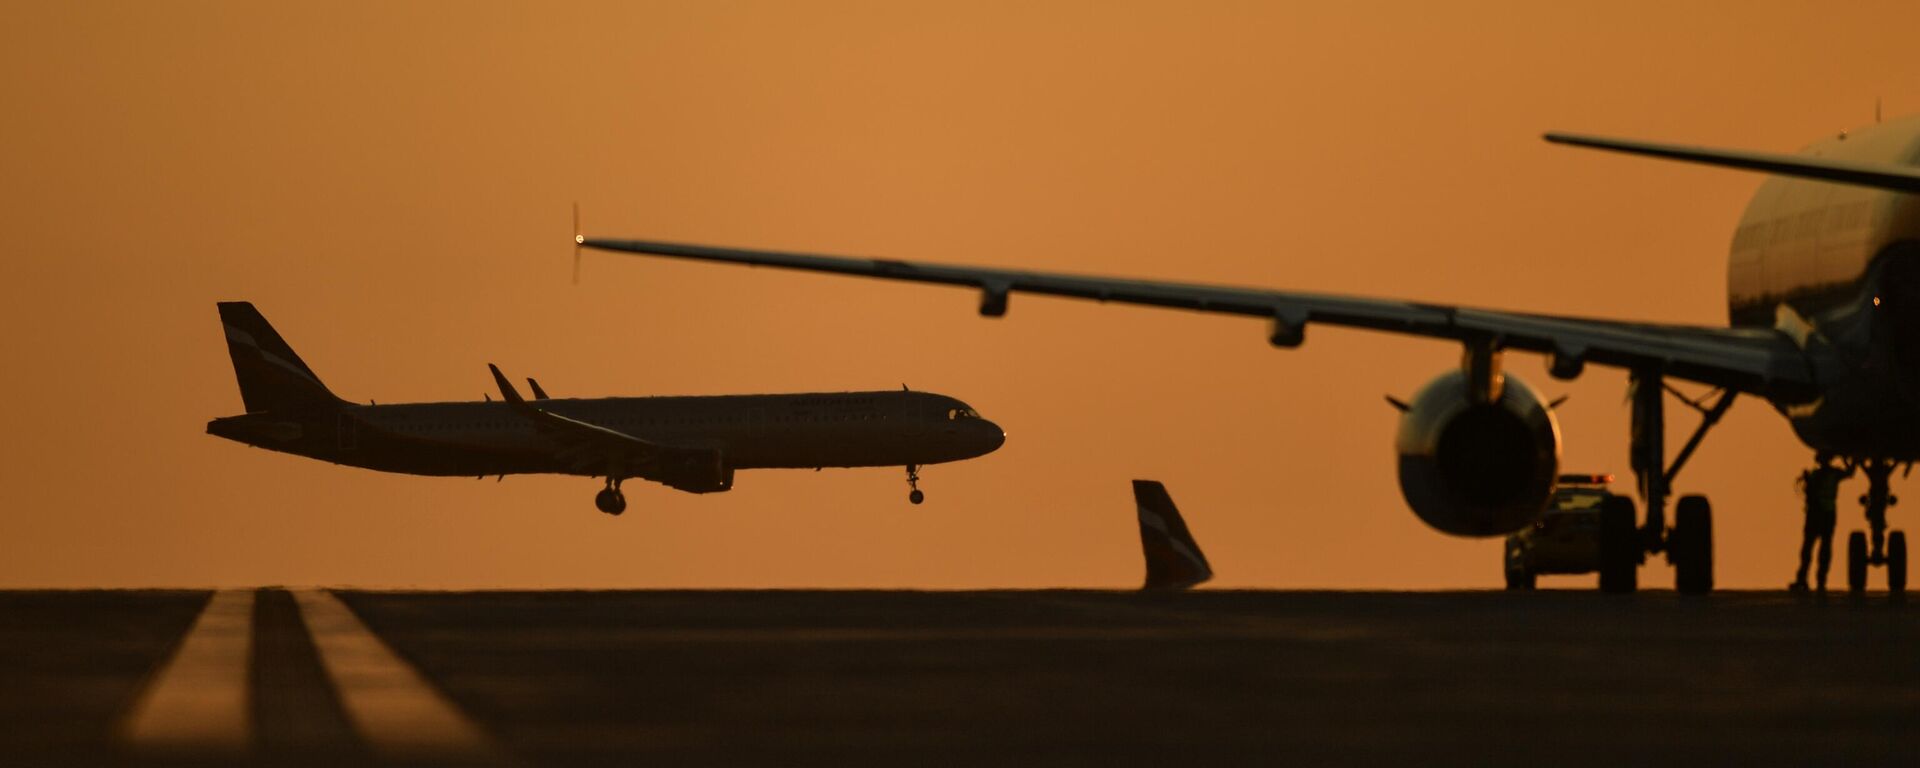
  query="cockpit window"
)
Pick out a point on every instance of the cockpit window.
point(962, 413)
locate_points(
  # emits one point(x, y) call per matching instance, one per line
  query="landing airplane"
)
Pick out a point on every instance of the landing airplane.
point(1824, 301)
point(692, 444)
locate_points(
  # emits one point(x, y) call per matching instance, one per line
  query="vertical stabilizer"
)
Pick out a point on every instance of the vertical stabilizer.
point(1174, 560)
point(271, 376)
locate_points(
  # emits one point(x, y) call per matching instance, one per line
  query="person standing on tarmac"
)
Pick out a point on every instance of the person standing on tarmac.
point(1821, 487)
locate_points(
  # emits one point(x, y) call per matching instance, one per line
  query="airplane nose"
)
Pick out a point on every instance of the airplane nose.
point(995, 436)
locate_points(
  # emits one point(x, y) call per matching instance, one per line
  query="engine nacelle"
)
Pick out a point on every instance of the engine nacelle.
point(704, 472)
point(1472, 468)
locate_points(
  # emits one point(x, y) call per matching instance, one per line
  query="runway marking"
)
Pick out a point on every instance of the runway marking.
point(297, 716)
point(395, 710)
point(199, 702)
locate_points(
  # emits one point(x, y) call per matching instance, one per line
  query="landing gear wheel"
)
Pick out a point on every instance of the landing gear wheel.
point(611, 501)
point(913, 481)
point(1897, 562)
point(1857, 562)
point(1619, 546)
point(1692, 546)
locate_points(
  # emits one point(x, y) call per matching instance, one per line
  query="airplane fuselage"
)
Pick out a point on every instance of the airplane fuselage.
point(847, 429)
point(1837, 267)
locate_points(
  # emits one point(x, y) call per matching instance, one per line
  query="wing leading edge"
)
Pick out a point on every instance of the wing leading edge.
point(1898, 178)
point(1757, 361)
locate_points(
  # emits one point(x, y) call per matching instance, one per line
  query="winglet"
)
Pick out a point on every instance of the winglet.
point(1174, 560)
point(506, 388)
point(538, 393)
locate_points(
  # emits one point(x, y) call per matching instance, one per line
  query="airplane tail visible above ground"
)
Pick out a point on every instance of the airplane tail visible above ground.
point(271, 376)
point(1174, 560)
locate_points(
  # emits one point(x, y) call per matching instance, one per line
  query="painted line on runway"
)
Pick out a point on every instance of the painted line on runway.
point(199, 702)
point(395, 710)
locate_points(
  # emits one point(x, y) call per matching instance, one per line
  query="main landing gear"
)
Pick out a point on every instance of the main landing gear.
point(913, 481)
point(611, 500)
point(1889, 549)
point(1689, 543)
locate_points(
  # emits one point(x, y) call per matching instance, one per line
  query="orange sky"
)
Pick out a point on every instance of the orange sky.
point(391, 186)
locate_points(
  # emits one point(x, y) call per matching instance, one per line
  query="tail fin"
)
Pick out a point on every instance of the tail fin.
point(1174, 560)
point(272, 377)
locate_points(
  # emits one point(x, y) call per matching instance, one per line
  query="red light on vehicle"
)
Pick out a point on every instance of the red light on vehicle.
point(1600, 479)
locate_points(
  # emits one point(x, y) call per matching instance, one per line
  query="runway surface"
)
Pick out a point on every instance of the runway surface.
point(280, 677)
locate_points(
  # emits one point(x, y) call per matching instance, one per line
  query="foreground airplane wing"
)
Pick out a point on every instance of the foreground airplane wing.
point(1749, 360)
point(1898, 178)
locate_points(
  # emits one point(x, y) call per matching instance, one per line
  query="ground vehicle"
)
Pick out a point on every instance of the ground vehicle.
point(1567, 539)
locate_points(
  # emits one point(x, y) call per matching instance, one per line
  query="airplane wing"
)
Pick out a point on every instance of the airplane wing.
point(1750, 360)
point(590, 447)
point(1898, 178)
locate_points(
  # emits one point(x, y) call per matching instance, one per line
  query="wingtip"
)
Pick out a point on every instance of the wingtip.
point(507, 390)
point(579, 239)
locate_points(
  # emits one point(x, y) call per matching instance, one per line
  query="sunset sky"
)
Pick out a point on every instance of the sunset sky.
point(390, 183)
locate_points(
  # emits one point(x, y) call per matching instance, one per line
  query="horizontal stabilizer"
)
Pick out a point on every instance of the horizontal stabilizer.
point(1174, 560)
point(1898, 178)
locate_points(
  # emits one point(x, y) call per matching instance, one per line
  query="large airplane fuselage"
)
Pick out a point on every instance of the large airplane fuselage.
point(1837, 266)
point(847, 429)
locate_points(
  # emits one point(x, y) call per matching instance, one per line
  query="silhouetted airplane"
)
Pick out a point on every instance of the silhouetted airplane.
point(1174, 560)
point(1823, 294)
point(692, 444)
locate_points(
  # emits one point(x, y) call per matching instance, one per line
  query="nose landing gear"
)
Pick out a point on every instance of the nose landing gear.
point(611, 500)
point(913, 482)
point(1889, 549)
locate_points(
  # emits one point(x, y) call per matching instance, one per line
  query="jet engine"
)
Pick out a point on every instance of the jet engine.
point(1478, 460)
point(702, 472)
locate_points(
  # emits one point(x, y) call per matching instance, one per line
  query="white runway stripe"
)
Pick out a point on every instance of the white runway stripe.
point(395, 710)
point(199, 701)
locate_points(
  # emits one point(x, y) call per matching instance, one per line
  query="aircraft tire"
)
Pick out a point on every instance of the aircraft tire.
point(1693, 546)
point(610, 501)
point(1857, 562)
point(916, 496)
point(1619, 546)
point(1897, 562)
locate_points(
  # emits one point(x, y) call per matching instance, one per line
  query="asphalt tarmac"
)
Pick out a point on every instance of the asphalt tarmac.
point(955, 678)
